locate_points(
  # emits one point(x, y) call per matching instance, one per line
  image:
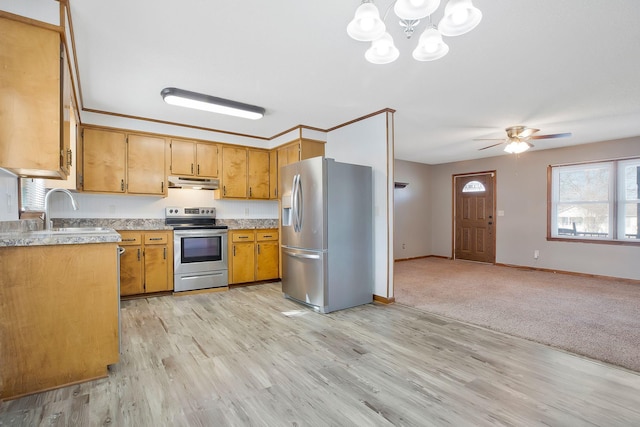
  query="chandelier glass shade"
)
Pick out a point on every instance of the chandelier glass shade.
point(460, 17)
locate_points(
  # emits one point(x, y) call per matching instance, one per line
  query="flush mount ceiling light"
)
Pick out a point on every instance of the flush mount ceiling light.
point(460, 17)
point(185, 98)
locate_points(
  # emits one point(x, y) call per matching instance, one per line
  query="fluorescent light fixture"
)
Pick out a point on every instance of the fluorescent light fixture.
point(199, 101)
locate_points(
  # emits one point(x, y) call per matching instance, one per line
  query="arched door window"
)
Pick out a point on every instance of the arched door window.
point(473, 187)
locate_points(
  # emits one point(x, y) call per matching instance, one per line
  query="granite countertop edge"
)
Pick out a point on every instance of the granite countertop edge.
point(27, 235)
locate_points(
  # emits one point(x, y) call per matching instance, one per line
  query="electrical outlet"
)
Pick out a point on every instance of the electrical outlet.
point(404, 246)
point(536, 254)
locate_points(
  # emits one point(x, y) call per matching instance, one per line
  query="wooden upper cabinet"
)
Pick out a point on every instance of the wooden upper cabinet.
point(104, 160)
point(207, 164)
point(273, 174)
point(258, 176)
point(31, 142)
point(182, 157)
point(294, 152)
point(116, 162)
point(146, 165)
point(234, 172)
point(189, 158)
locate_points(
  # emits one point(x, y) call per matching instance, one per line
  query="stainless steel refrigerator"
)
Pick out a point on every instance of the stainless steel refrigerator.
point(327, 233)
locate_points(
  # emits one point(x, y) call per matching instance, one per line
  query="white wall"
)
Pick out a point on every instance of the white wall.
point(522, 194)
point(40, 10)
point(367, 142)
point(412, 210)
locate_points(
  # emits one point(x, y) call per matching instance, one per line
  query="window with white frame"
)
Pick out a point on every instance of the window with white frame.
point(596, 201)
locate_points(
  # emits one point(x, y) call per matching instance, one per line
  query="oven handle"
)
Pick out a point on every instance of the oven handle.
point(200, 232)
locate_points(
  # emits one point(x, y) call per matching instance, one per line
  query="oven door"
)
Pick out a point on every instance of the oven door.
point(199, 250)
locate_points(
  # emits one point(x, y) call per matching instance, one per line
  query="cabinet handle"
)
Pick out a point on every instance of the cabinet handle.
point(191, 168)
point(69, 158)
point(250, 192)
point(131, 239)
point(267, 236)
point(162, 187)
point(234, 250)
point(198, 169)
point(243, 237)
point(122, 185)
point(258, 249)
point(164, 254)
point(155, 238)
point(224, 190)
point(138, 254)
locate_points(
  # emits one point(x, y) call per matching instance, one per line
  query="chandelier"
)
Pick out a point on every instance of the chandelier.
point(460, 17)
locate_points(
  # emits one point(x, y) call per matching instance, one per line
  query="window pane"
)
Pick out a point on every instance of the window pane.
point(631, 214)
point(590, 219)
point(631, 177)
point(32, 192)
point(587, 184)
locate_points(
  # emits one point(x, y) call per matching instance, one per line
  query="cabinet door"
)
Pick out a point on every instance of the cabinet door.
point(103, 160)
point(267, 256)
point(258, 174)
point(182, 157)
point(131, 282)
point(234, 172)
point(30, 126)
point(310, 148)
point(207, 160)
point(243, 263)
point(145, 165)
point(156, 267)
point(273, 174)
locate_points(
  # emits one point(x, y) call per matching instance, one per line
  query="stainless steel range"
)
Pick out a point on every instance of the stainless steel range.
point(199, 248)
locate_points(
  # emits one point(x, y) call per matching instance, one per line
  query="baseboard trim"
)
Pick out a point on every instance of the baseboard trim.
point(421, 257)
point(569, 273)
point(383, 300)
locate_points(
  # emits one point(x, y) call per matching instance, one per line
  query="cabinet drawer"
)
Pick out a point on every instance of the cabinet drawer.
point(155, 238)
point(262, 235)
point(130, 238)
point(242, 236)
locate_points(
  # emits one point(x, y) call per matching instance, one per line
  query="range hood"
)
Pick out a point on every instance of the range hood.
point(194, 183)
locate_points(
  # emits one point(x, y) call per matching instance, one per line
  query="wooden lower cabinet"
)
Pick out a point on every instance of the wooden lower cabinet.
point(253, 255)
point(146, 266)
point(58, 315)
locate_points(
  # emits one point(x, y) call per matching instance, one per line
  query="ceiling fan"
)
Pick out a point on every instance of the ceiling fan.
point(518, 139)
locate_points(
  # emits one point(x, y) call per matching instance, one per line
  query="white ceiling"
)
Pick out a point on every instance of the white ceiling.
point(561, 66)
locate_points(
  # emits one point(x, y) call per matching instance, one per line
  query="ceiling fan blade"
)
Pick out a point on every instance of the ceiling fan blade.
point(488, 139)
point(552, 135)
point(489, 146)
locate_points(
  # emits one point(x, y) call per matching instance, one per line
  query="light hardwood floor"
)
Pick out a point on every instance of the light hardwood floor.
point(249, 357)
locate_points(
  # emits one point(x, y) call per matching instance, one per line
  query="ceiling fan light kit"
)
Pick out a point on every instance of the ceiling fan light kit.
point(460, 17)
point(516, 146)
point(199, 101)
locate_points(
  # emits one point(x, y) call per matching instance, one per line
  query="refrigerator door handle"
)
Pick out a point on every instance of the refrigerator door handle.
point(306, 256)
point(294, 220)
point(299, 203)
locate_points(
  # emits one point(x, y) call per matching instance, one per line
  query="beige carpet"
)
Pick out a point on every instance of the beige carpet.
point(595, 317)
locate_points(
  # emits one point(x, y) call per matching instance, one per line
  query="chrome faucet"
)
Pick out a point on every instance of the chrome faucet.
point(47, 221)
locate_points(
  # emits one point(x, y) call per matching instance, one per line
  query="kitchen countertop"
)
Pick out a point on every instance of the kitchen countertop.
point(40, 238)
point(22, 233)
